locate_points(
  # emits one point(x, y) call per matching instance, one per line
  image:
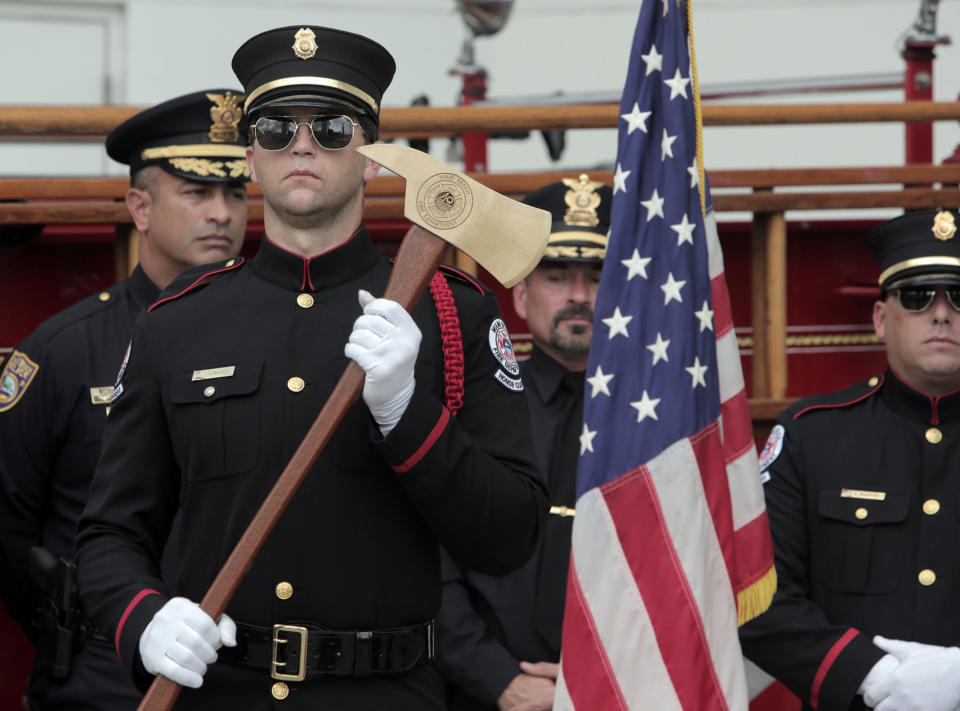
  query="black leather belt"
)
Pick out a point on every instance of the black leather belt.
point(300, 650)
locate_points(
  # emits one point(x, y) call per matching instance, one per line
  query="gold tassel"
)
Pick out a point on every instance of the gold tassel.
point(698, 114)
point(755, 599)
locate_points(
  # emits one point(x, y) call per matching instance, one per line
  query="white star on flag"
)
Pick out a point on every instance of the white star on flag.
point(671, 289)
point(636, 119)
point(618, 323)
point(694, 174)
point(706, 317)
point(659, 349)
point(598, 382)
point(620, 180)
point(678, 85)
point(586, 439)
point(684, 230)
point(666, 146)
point(636, 265)
point(654, 205)
point(646, 407)
point(653, 60)
point(696, 373)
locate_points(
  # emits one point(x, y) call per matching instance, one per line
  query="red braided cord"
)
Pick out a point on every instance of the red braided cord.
point(452, 342)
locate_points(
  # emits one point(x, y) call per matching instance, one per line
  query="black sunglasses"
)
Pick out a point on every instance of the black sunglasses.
point(918, 298)
point(274, 133)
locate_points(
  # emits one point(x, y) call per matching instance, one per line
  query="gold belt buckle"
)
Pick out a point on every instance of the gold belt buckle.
point(277, 641)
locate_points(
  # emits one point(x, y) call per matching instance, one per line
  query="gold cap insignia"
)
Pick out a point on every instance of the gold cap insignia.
point(225, 114)
point(944, 227)
point(305, 43)
point(582, 201)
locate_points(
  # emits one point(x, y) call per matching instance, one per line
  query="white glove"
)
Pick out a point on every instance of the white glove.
point(876, 685)
point(385, 342)
point(928, 678)
point(181, 640)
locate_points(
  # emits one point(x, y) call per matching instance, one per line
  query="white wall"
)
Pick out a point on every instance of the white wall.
point(170, 47)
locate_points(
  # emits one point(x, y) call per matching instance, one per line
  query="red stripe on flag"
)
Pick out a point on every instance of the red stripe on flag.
point(722, 315)
point(713, 473)
point(737, 427)
point(635, 508)
point(775, 697)
point(754, 551)
point(590, 681)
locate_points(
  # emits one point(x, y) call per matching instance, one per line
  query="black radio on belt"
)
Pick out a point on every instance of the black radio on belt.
point(304, 651)
point(57, 615)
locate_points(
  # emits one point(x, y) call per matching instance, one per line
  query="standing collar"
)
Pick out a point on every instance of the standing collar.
point(289, 270)
point(913, 403)
point(144, 291)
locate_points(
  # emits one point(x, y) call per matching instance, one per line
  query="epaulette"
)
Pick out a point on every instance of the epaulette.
point(840, 398)
point(195, 277)
point(78, 311)
point(455, 273)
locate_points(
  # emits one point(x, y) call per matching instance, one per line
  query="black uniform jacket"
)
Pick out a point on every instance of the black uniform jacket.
point(50, 431)
point(221, 385)
point(488, 624)
point(864, 507)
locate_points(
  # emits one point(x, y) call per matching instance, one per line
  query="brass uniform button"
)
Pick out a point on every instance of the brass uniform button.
point(104, 296)
point(209, 390)
point(933, 435)
point(284, 590)
point(304, 301)
point(296, 384)
point(927, 577)
point(230, 263)
point(931, 506)
point(280, 691)
point(873, 381)
point(860, 513)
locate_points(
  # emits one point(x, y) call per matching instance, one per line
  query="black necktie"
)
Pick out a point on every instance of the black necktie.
point(562, 480)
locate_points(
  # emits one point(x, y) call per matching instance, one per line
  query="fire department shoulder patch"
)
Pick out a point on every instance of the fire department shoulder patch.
point(771, 450)
point(118, 386)
point(16, 377)
point(502, 348)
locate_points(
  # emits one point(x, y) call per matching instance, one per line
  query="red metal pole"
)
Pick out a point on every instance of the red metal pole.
point(474, 142)
point(918, 86)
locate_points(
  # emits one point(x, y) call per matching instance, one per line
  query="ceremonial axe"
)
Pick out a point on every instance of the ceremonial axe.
point(504, 236)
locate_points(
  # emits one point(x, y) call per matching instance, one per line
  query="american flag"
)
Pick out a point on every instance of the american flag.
point(671, 546)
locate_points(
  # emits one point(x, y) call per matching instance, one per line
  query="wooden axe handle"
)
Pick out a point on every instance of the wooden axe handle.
point(417, 260)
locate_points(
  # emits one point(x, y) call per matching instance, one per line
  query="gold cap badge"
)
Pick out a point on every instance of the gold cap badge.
point(582, 201)
point(305, 43)
point(944, 227)
point(225, 114)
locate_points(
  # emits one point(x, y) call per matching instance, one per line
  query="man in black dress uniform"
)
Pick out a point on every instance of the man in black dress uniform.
point(224, 378)
point(188, 201)
point(499, 638)
point(864, 501)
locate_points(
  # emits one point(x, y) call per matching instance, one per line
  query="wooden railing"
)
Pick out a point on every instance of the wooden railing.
point(99, 200)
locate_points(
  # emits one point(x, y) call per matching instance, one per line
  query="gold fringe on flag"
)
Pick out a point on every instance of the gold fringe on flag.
point(756, 598)
point(695, 82)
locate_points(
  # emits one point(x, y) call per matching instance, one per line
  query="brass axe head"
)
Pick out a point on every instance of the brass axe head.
point(506, 237)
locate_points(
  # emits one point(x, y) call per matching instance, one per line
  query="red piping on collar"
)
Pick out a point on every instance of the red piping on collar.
point(934, 401)
point(307, 279)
